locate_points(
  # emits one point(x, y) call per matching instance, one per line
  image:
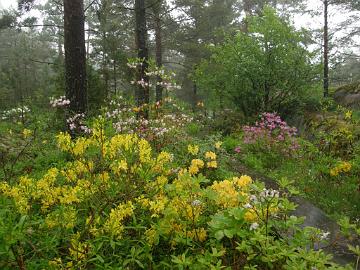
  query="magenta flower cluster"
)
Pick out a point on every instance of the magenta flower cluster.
point(272, 131)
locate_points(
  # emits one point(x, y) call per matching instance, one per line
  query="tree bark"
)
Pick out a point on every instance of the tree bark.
point(158, 49)
point(115, 74)
point(326, 50)
point(75, 55)
point(142, 94)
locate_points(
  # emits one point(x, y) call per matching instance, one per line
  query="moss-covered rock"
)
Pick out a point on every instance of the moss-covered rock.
point(348, 95)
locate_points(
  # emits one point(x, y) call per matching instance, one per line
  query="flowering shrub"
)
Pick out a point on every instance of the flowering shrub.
point(76, 124)
point(154, 72)
point(271, 134)
point(16, 114)
point(342, 167)
point(116, 204)
point(165, 119)
point(60, 102)
point(337, 134)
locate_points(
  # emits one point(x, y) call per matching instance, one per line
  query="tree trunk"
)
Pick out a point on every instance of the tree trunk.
point(60, 46)
point(326, 49)
point(114, 74)
point(247, 9)
point(75, 55)
point(158, 46)
point(142, 91)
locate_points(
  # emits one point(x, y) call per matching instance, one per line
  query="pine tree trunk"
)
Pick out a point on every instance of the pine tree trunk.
point(115, 74)
point(75, 55)
point(158, 45)
point(326, 49)
point(142, 91)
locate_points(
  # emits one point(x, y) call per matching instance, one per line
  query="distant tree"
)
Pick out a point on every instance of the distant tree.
point(200, 24)
point(266, 69)
point(7, 19)
point(326, 48)
point(24, 70)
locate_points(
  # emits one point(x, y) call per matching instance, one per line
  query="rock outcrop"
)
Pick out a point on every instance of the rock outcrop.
point(348, 95)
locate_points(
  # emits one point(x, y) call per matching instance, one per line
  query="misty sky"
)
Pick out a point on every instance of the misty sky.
point(336, 14)
point(300, 21)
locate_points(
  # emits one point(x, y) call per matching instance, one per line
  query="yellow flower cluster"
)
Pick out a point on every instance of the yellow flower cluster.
point(78, 250)
point(218, 145)
point(199, 234)
point(196, 165)
point(144, 151)
point(193, 149)
point(343, 166)
point(59, 193)
point(150, 235)
point(230, 192)
point(19, 196)
point(65, 218)
point(348, 115)
point(211, 156)
point(113, 224)
point(27, 133)
point(122, 177)
point(158, 205)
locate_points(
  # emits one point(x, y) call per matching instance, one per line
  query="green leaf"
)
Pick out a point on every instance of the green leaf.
point(219, 235)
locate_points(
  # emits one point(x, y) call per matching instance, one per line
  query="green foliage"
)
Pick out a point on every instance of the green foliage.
point(266, 69)
point(193, 129)
point(337, 133)
point(110, 202)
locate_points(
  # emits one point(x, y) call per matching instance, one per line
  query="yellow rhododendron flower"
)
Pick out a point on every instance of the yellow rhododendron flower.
point(344, 166)
point(193, 149)
point(243, 181)
point(250, 216)
point(64, 141)
point(119, 166)
point(348, 115)
point(218, 145)
point(80, 146)
point(196, 165)
point(228, 196)
point(144, 151)
point(27, 133)
point(212, 164)
point(210, 155)
point(150, 235)
point(113, 224)
point(158, 205)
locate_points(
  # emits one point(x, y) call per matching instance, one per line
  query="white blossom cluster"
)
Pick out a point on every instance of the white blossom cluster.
point(158, 72)
point(167, 78)
point(116, 113)
point(125, 121)
point(15, 113)
point(142, 83)
point(59, 102)
point(143, 127)
point(265, 196)
point(76, 123)
point(133, 65)
point(169, 85)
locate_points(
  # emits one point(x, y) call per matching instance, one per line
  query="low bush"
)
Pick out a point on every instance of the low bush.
point(116, 204)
